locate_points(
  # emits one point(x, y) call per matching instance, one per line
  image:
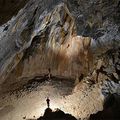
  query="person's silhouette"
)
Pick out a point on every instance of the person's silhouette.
point(49, 73)
point(48, 102)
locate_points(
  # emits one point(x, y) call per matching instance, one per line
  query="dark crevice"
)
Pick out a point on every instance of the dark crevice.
point(9, 8)
point(31, 50)
point(111, 109)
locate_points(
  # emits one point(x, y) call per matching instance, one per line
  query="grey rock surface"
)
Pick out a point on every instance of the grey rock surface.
point(96, 19)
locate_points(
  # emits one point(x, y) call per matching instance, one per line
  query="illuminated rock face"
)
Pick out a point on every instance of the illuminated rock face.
point(43, 41)
point(44, 36)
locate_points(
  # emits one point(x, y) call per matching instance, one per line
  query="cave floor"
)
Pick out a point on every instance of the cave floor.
point(30, 101)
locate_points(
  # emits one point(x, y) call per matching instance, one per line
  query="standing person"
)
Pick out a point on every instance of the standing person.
point(48, 102)
point(49, 73)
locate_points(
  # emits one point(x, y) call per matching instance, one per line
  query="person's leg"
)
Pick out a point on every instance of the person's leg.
point(48, 104)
